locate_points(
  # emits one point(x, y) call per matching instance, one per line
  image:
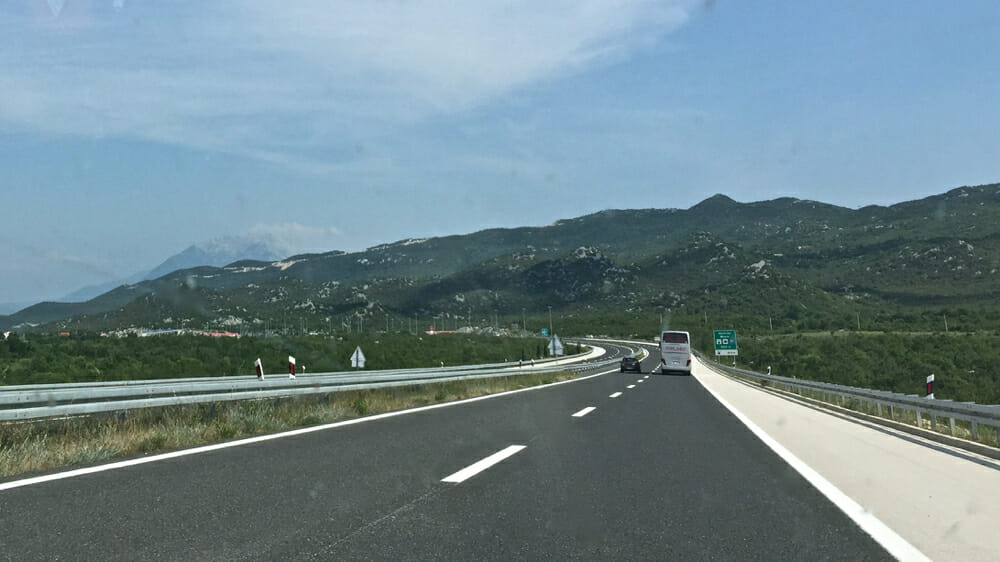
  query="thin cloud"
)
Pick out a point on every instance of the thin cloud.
point(283, 82)
point(296, 238)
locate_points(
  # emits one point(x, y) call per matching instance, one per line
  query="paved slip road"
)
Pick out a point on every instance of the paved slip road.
point(659, 472)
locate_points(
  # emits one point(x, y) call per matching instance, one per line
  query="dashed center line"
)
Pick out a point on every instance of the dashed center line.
point(584, 412)
point(476, 468)
point(630, 386)
point(615, 395)
point(640, 380)
point(646, 377)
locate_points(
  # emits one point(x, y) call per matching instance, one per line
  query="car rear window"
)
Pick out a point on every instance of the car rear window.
point(675, 337)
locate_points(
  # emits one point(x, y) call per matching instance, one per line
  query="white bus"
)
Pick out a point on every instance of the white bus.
point(675, 352)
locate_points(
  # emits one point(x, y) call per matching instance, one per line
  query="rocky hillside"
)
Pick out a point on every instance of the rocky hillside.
point(785, 258)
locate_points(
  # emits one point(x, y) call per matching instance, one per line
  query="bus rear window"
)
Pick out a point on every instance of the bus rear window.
point(675, 337)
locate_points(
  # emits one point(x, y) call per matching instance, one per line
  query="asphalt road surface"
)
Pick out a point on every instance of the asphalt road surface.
point(657, 470)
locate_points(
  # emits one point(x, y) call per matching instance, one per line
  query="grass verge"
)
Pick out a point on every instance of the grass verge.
point(51, 444)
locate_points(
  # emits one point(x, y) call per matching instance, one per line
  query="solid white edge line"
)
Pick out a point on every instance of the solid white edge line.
point(896, 545)
point(615, 395)
point(250, 440)
point(477, 467)
point(584, 412)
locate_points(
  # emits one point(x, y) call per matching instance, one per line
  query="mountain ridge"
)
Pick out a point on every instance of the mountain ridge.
point(215, 252)
point(941, 249)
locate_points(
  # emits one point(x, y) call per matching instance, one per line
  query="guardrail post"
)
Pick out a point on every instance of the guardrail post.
point(951, 425)
point(878, 408)
point(975, 431)
point(933, 421)
point(919, 421)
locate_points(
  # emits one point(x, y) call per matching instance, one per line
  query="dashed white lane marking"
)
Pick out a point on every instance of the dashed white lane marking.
point(584, 412)
point(476, 468)
point(646, 377)
point(641, 380)
point(615, 395)
point(630, 386)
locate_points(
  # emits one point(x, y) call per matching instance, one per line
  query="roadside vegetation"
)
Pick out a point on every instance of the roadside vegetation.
point(39, 358)
point(51, 444)
point(966, 366)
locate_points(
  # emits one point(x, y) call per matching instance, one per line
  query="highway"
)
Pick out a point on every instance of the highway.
point(615, 466)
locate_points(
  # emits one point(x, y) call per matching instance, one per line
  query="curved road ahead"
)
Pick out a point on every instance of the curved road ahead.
point(656, 470)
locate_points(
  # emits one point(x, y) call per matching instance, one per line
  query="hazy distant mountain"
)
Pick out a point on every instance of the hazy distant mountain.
point(220, 252)
point(11, 307)
point(91, 291)
point(217, 253)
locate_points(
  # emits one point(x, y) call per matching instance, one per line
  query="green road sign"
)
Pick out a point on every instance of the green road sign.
point(725, 342)
point(545, 331)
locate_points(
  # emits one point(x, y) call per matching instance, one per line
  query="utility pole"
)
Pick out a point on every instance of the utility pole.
point(859, 321)
point(524, 327)
point(550, 320)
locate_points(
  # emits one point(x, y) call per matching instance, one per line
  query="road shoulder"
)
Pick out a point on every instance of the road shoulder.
point(941, 503)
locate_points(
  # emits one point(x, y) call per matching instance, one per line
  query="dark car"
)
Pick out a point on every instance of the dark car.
point(631, 363)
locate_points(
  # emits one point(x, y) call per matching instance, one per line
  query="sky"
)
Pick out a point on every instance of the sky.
point(131, 129)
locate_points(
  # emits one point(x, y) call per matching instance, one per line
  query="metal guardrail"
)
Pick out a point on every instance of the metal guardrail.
point(27, 402)
point(884, 404)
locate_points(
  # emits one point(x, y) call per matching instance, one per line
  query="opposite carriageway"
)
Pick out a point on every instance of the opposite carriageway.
point(27, 402)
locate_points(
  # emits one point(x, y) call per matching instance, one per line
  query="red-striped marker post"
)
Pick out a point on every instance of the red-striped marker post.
point(291, 367)
point(260, 369)
point(930, 387)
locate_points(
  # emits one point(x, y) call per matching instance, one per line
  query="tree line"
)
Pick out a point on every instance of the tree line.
point(41, 359)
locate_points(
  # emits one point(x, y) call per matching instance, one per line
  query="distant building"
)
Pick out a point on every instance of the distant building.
point(148, 333)
point(221, 334)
